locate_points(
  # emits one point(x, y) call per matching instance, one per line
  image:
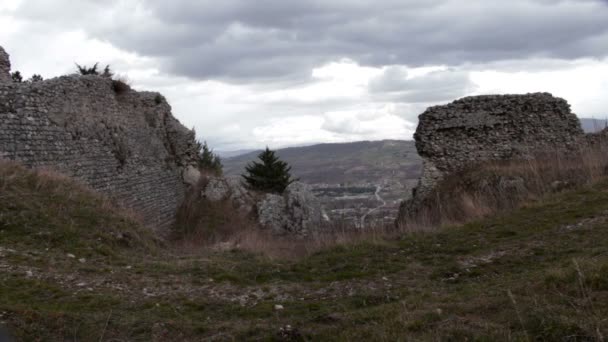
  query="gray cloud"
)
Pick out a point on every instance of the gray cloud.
point(393, 85)
point(253, 41)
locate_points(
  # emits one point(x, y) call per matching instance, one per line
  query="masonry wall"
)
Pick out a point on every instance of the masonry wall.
point(124, 144)
point(452, 137)
point(5, 66)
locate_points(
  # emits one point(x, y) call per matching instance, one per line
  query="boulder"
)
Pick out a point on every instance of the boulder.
point(191, 175)
point(272, 213)
point(303, 209)
point(229, 189)
point(297, 211)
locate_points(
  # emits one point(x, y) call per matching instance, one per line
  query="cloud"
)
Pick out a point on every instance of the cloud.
point(395, 85)
point(245, 41)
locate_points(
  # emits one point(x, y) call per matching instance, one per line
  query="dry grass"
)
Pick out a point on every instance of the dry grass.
point(287, 247)
point(493, 187)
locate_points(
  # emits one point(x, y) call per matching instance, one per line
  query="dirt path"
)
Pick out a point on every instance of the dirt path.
point(380, 199)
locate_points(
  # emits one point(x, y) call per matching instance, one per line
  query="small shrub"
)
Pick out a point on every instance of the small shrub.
point(107, 72)
point(120, 86)
point(36, 78)
point(158, 99)
point(84, 70)
point(17, 77)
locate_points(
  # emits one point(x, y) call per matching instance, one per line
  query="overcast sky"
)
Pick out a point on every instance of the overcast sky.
point(247, 74)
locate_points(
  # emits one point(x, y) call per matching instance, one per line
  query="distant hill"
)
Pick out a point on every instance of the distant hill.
point(593, 125)
point(356, 162)
point(231, 154)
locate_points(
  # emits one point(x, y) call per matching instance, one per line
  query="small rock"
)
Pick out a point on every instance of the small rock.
point(29, 273)
point(82, 260)
point(81, 284)
point(278, 307)
point(71, 256)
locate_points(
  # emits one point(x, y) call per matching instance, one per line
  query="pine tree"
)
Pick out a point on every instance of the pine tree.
point(209, 160)
point(272, 174)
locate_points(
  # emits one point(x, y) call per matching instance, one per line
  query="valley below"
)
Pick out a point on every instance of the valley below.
point(359, 184)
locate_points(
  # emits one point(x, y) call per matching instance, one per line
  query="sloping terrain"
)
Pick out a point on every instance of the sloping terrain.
point(74, 268)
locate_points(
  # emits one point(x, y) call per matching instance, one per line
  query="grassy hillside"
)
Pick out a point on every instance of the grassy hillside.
point(74, 268)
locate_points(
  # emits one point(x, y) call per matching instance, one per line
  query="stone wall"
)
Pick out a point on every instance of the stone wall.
point(452, 137)
point(127, 144)
point(5, 67)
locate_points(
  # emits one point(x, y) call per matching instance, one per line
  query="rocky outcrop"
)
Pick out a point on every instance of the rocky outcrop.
point(297, 211)
point(231, 189)
point(5, 67)
point(125, 144)
point(474, 129)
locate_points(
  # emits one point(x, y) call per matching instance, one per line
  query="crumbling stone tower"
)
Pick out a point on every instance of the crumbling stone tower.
point(121, 142)
point(474, 129)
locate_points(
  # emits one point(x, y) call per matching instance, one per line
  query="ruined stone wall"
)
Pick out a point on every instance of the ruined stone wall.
point(126, 145)
point(5, 66)
point(491, 127)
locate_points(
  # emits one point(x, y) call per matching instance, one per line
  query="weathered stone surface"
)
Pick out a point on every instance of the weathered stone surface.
point(297, 211)
point(452, 137)
point(303, 208)
point(128, 146)
point(5, 67)
point(191, 175)
point(229, 188)
point(272, 213)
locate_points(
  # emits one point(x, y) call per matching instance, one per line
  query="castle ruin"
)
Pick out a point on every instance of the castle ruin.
point(123, 143)
point(474, 129)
